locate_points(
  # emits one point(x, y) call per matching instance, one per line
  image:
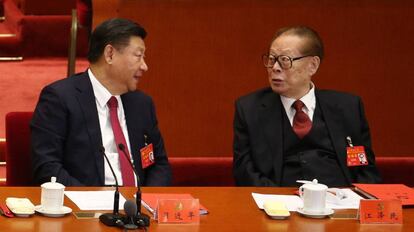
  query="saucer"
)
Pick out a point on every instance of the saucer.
point(22, 214)
point(62, 212)
point(316, 215)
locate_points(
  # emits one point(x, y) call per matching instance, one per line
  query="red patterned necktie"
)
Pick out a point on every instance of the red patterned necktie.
point(126, 170)
point(301, 122)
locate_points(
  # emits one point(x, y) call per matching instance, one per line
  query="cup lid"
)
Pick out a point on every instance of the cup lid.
point(52, 184)
point(314, 185)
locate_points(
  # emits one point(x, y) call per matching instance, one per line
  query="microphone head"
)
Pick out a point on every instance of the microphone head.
point(130, 208)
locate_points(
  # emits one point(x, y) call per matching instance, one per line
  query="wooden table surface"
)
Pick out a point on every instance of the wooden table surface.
point(230, 209)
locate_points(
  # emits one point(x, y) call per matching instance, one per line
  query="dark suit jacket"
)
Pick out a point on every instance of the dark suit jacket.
point(258, 142)
point(66, 136)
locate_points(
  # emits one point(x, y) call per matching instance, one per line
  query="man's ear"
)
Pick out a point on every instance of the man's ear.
point(314, 65)
point(108, 53)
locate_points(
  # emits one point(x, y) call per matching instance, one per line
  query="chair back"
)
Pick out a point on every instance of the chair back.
point(202, 171)
point(396, 169)
point(18, 149)
point(46, 7)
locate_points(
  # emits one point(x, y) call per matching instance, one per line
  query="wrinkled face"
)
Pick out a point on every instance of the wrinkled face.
point(296, 81)
point(128, 65)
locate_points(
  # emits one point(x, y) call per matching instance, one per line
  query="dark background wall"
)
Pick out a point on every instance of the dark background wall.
point(203, 54)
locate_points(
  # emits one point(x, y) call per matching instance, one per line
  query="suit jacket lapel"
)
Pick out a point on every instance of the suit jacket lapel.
point(270, 119)
point(86, 100)
point(332, 113)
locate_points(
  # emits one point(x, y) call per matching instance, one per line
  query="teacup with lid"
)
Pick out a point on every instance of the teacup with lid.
point(52, 196)
point(313, 195)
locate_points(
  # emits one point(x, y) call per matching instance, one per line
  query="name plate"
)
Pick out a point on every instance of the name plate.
point(380, 211)
point(178, 211)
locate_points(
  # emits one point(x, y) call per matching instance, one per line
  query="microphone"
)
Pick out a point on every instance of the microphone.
point(114, 218)
point(131, 211)
point(142, 219)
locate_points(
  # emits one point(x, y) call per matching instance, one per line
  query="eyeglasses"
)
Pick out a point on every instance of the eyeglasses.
point(284, 61)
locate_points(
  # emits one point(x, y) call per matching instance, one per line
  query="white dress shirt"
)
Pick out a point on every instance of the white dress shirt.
point(102, 96)
point(309, 100)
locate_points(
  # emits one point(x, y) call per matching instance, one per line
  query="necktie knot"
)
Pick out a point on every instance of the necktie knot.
point(113, 103)
point(298, 105)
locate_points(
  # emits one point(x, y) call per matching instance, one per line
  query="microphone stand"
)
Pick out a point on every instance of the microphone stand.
point(142, 219)
point(114, 219)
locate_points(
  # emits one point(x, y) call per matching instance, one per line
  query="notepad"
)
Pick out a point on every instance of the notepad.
point(387, 192)
point(20, 206)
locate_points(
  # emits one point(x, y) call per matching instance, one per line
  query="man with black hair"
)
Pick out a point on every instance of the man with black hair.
point(79, 118)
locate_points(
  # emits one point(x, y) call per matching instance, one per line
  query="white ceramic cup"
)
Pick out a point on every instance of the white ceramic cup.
point(52, 196)
point(314, 197)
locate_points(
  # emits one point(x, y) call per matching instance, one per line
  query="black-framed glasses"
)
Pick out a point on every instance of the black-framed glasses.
point(284, 61)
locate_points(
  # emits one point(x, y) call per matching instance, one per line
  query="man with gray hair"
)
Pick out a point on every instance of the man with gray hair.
point(292, 131)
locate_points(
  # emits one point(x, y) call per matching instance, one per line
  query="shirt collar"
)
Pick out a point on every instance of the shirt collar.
point(308, 100)
point(102, 95)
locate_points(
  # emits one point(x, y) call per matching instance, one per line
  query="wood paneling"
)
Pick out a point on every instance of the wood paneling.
point(104, 9)
point(204, 54)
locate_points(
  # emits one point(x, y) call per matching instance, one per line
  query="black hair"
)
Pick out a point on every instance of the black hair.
point(116, 32)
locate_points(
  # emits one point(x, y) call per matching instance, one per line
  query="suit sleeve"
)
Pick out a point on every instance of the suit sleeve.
point(159, 174)
point(369, 173)
point(244, 170)
point(48, 135)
